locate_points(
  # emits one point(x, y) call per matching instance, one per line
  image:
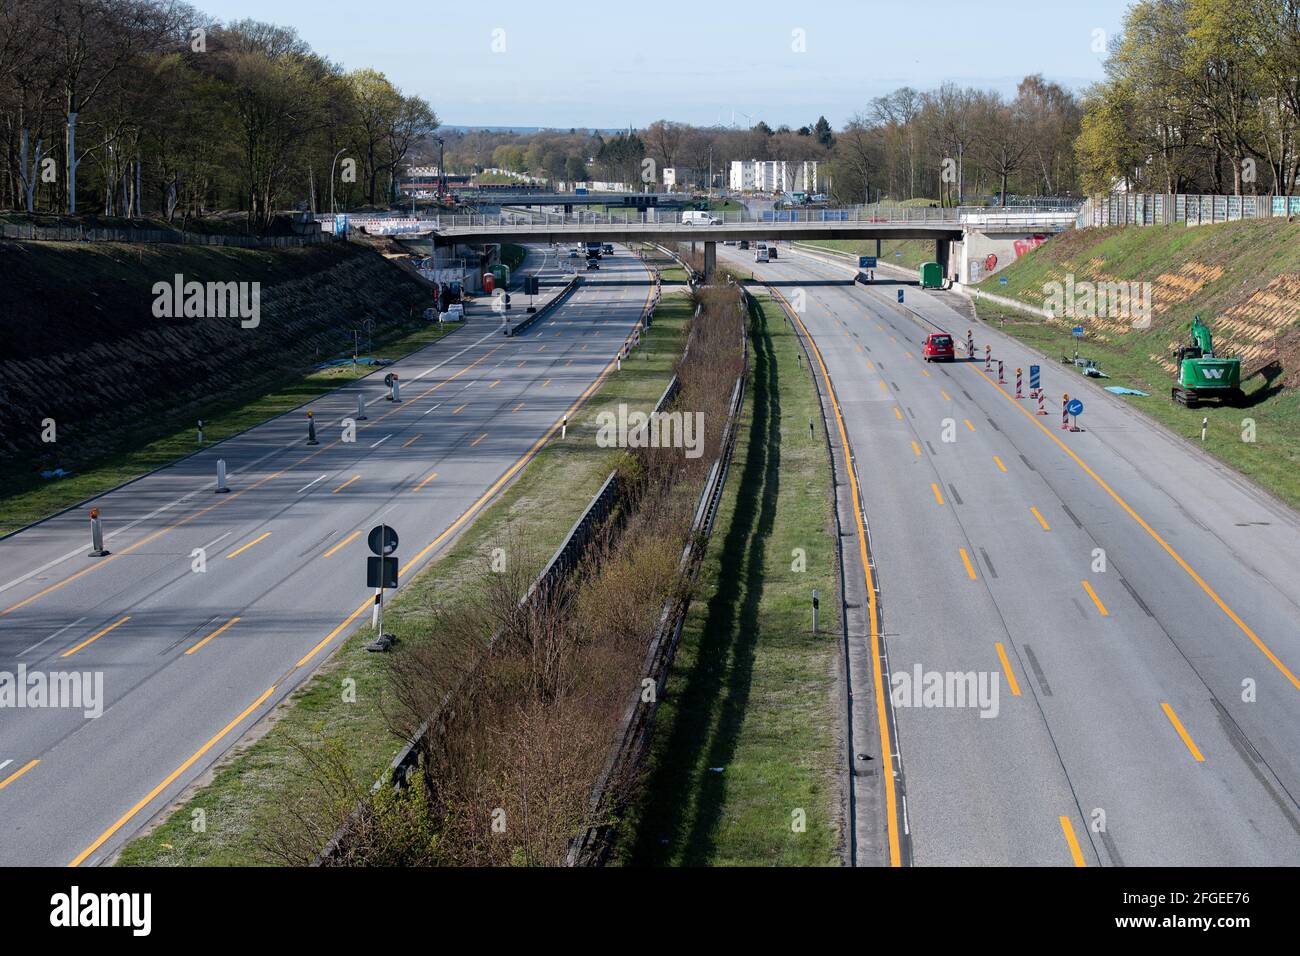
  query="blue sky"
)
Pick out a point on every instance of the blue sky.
point(614, 64)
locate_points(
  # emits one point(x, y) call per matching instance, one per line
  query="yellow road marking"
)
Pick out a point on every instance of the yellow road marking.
point(345, 484)
point(238, 551)
point(477, 440)
point(1191, 572)
point(1075, 853)
point(432, 475)
point(409, 442)
point(517, 407)
point(916, 448)
point(94, 638)
point(223, 627)
point(925, 372)
point(871, 366)
point(946, 396)
point(877, 667)
point(898, 414)
point(1095, 600)
point(1006, 667)
point(461, 409)
point(350, 538)
point(495, 384)
point(545, 383)
point(938, 495)
point(882, 385)
point(18, 773)
point(542, 349)
point(368, 602)
point(965, 559)
point(968, 424)
point(1001, 467)
point(1182, 732)
point(126, 817)
point(1041, 520)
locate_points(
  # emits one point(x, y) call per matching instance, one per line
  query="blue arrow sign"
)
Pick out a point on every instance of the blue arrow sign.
point(866, 262)
point(1077, 331)
point(1075, 407)
point(1002, 280)
point(900, 296)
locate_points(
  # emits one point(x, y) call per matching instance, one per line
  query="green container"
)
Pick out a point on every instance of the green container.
point(931, 275)
point(502, 273)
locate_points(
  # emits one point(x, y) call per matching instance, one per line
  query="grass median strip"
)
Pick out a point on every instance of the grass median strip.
point(743, 762)
point(339, 713)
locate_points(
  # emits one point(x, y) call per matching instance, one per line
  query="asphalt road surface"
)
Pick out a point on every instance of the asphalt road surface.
point(1137, 604)
point(190, 660)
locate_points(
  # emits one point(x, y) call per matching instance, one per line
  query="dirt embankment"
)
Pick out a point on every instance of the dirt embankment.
point(81, 341)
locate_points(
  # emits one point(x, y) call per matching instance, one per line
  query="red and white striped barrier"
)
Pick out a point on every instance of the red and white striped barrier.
point(1065, 413)
point(988, 358)
point(1042, 399)
point(1019, 379)
point(1001, 378)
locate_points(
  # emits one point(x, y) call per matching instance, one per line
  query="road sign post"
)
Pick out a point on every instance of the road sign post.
point(900, 296)
point(381, 574)
point(1075, 408)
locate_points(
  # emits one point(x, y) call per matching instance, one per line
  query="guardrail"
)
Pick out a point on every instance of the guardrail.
point(544, 310)
point(592, 846)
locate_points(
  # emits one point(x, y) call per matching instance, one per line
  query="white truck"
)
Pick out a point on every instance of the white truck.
point(699, 219)
point(760, 255)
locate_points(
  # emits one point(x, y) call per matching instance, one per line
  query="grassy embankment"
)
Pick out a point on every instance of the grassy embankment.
point(746, 736)
point(1243, 279)
point(254, 781)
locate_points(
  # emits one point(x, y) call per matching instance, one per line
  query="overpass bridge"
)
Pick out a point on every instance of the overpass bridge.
point(945, 227)
point(632, 201)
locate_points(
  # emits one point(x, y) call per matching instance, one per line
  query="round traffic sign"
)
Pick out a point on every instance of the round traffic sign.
point(1075, 407)
point(383, 540)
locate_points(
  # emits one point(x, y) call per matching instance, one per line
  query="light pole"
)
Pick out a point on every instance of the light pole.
point(442, 177)
point(332, 164)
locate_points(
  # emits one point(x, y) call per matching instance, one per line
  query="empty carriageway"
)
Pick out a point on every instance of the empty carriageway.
point(191, 658)
point(1064, 570)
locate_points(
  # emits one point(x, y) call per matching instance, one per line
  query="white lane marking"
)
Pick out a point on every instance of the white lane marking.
point(309, 484)
point(5, 764)
point(380, 442)
point(213, 544)
point(50, 638)
point(467, 386)
point(434, 409)
point(453, 357)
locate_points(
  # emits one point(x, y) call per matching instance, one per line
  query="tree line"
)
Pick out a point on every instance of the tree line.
point(149, 107)
point(1199, 96)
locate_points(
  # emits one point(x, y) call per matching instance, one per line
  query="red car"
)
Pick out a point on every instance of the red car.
point(938, 345)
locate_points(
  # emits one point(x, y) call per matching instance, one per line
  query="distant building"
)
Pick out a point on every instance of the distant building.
point(772, 176)
point(677, 176)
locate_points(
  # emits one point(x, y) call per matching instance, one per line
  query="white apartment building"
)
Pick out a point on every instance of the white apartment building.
point(772, 175)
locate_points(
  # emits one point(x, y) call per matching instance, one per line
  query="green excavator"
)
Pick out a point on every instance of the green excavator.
point(1203, 375)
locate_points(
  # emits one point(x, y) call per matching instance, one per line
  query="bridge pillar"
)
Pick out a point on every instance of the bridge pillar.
point(942, 254)
point(568, 208)
point(877, 250)
point(710, 258)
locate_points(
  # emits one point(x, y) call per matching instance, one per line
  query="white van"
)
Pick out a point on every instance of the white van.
point(699, 219)
point(760, 255)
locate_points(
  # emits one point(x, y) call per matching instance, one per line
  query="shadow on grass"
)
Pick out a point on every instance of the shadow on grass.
point(683, 799)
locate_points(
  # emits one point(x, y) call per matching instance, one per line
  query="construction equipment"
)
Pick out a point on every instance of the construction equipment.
point(1203, 375)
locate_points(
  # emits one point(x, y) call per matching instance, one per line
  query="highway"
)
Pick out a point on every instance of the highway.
point(1137, 604)
point(192, 659)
